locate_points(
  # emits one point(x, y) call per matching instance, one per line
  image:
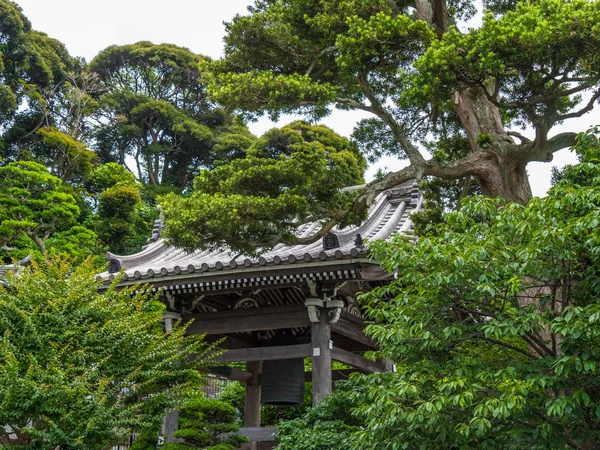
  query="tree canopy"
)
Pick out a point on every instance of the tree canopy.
point(200, 422)
point(154, 108)
point(81, 369)
point(425, 80)
point(34, 203)
point(492, 322)
point(294, 174)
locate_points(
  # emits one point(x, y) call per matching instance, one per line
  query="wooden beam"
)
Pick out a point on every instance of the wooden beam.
point(251, 319)
point(352, 327)
point(348, 344)
point(243, 376)
point(354, 360)
point(266, 353)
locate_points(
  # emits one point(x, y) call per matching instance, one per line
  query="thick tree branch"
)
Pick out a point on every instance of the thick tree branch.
point(523, 139)
point(412, 152)
point(435, 13)
point(439, 17)
point(472, 164)
point(354, 104)
point(560, 141)
point(493, 98)
point(326, 228)
point(543, 151)
point(574, 90)
point(546, 351)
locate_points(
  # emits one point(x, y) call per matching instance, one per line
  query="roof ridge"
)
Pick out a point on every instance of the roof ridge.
point(391, 207)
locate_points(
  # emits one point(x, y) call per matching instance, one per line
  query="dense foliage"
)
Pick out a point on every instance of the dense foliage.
point(201, 420)
point(137, 123)
point(427, 82)
point(329, 426)
point(424, 80)
point(36, 208)
point(81, 369)
point(492, 322)
point(294, 174)
point(154, 109)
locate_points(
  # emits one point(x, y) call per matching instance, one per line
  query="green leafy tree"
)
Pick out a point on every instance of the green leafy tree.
point(493, 324)
point(121, 220)
point(423, 81)
point(77, 242)
point(328, 426)
point(66, 157)
point(116, 212)
point(201, 420)
point(28, 58)
point(106, 176)
point(34, 203)
point(81, 369)
point(154, 109)
point(33, 75)
point(293, 174)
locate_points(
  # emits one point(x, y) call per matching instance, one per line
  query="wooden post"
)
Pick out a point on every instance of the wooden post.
point(321, 357)
point(170, 421)
point(252, 399)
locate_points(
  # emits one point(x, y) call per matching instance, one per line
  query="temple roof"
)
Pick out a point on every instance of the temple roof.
point(159, 262)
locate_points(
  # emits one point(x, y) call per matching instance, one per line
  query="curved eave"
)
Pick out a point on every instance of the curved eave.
point(360, 268)
point(161, 265)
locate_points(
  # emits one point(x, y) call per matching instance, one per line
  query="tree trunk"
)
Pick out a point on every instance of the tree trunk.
point(505, 178)
point(40, 243)
point(502, 172)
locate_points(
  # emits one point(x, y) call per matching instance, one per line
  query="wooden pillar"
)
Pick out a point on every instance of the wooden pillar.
point(321, 357)
point(252, 399)
point(170, 421)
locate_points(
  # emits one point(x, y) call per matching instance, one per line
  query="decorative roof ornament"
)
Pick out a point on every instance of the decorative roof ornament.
point(114, 265)
point(359, 242)
point(158, 226)
point(246, 303)
point(330, 241)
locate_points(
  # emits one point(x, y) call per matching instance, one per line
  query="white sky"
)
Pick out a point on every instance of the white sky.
point(86, 27)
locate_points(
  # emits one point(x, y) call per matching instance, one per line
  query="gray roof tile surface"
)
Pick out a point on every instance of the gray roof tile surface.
point(389, 213)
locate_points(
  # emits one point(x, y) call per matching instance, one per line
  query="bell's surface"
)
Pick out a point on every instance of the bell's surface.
point(282, 382)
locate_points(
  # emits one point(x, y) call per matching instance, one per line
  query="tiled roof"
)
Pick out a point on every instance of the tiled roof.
point(389, 213)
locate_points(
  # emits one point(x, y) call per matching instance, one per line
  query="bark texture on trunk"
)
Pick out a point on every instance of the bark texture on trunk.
point(504, 172)
point(505, 178)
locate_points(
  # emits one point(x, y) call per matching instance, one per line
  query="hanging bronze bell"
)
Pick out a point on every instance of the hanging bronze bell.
point(282, 382)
